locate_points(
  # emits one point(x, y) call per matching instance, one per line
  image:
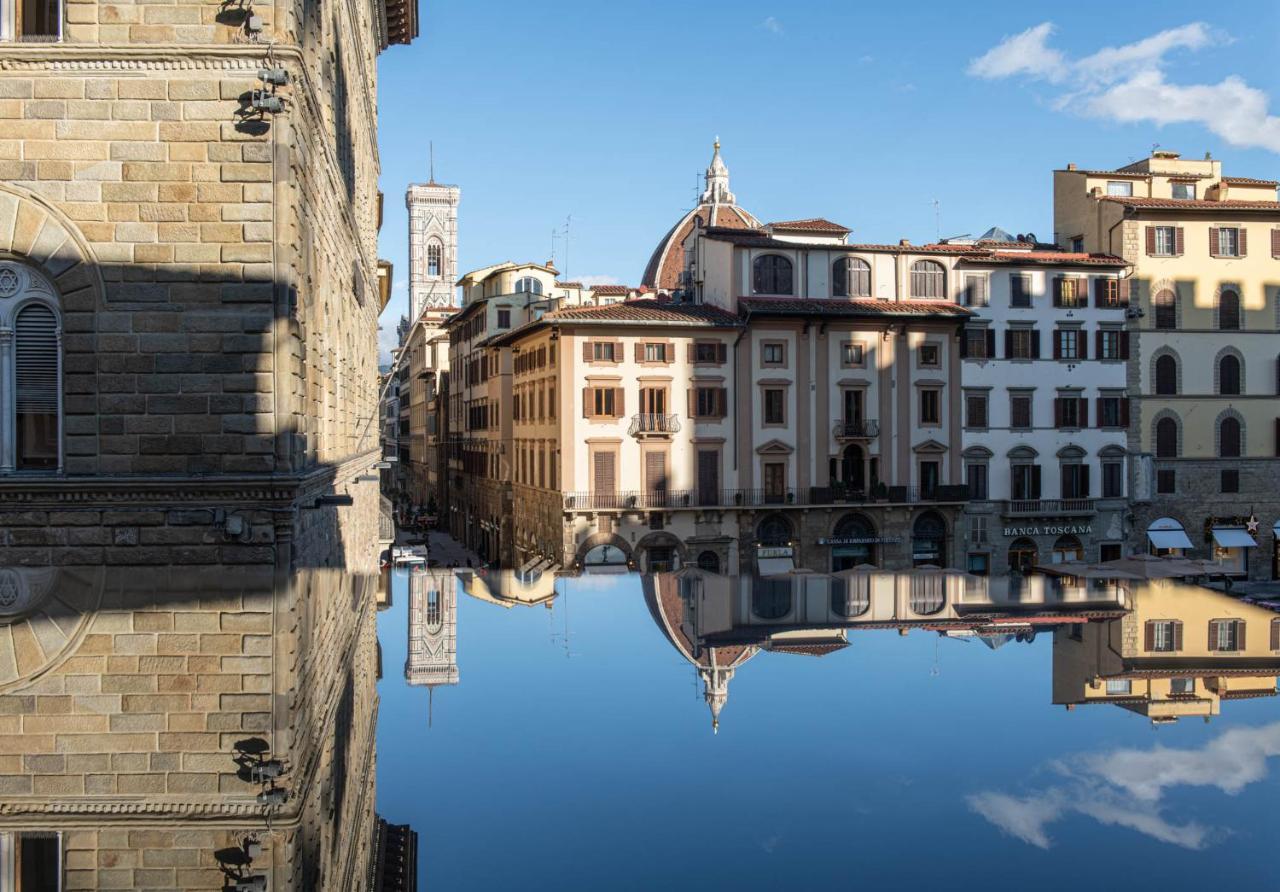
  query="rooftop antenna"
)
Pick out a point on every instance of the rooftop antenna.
point(555, 231)
point(1154, 146)
point(431, 695)
point(567, 222)
point(937, 220)
point(431, 149)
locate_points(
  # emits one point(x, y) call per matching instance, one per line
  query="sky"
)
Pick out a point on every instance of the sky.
point(897, 120)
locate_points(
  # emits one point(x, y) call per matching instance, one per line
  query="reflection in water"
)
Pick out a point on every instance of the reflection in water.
point(433, 632)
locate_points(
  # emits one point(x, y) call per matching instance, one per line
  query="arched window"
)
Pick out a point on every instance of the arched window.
point(1023, 556)
point(30, 427)
point(1229, 374)
point(774, 530)
point(850, 277)
point(709, 561)
point(928, 540)
point(1167, 438)
point(1229, 439)
point(1166, 375)
point(1166, 305)
point(928, 280)
point(770, 598)
point(1229, 310)
point(771, 274)
point(1067, 548)
point(435, 258)
point(853, 543)
point(851, 596)
point(530, 285)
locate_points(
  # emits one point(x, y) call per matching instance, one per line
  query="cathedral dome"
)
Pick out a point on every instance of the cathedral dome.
point(717, 207)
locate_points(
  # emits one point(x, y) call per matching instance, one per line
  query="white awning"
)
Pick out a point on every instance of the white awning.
point(774, 566)
point(1168, 538)
point(1233, 538)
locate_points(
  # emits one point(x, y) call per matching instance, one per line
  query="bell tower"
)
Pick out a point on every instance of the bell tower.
point(433, 246)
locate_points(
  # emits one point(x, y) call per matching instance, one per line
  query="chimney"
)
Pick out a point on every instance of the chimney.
point(904, 243)
point(1071, 165)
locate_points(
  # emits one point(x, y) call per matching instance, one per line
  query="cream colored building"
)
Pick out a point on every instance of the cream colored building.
point(1203, 364)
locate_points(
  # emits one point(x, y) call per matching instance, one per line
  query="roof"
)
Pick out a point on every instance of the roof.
point(1177, 204)
point(1249, 181)
point(1137, 174)
point(568, 284)
point(667, 261)
point(758, 238)
point(1047, 258)
point(479, 275)
point(799, 306)
point(613, 289)
point(812, 224)
point(647, 310)
point(401, 17)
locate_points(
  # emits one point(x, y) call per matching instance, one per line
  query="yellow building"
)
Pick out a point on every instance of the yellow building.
point(1182, 651)
point(1205, 310)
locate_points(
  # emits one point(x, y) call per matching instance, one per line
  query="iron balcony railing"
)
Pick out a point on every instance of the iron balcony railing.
point(857, 429)
point(1029, 507)
point(654, 424)
point(641, 500)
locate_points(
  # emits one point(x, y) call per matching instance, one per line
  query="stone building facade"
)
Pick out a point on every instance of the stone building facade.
point(188, 302)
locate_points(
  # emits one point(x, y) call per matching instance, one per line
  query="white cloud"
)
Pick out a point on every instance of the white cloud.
point(387, 341)
point(590, 281)
point(1127, 83)
point(400, 285)
point(1123, 788)
point(772, 24)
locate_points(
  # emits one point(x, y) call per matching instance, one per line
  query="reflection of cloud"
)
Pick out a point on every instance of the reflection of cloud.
point(1127, 83)
point(1123, 788)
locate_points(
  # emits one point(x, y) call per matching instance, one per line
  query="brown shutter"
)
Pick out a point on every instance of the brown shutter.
point(586, 351)
point(1177, 635)
point(586, 402)
point(1178, 244)
point(722, 402)
point(691, 352)
point(1082, 291)
point(1151, 240)
point(1084, 422)
point(1097, 411)
point(991, 343)
point(1275, 634)
point(1097, 343)
point(639, 351)
point(722, 352)
point(1008, 343)
point(1213, 638)
point(1241, 625)
point(1213, 241)
point(1057, 345)
point(1035, 344)
point(964, 343)
point(619, 402)
point(693, 402)
point(1244, 241)
point(1277, 446)
point(1149, 636)
point(1124, 345)
point(1035, 481)
point(1124, 411)
point(1057, 411)
point(1082, 344)
point(1099, 292)
point(1275, 243)
point(1125, 289)
point(1057, 291)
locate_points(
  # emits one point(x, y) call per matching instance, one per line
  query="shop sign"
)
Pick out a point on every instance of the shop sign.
point(1064, 529)
point(774, 551)
point(861, 540)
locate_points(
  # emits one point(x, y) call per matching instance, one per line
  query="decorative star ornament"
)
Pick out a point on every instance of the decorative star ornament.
point(1252, 524)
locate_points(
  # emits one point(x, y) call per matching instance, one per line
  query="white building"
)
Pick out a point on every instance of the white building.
point(1045, 406)
point(432, 658)
point(433, 246)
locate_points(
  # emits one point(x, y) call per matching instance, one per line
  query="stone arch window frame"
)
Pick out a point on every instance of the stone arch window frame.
point(924, 272)
point(435, 253)
point(1162, 415)
point(1234, 288)
point(1217, 371)
point(847, 263)
point(781, 520)
point(22, 286)
point(762, 276)
point(1159, 354)
point(1223, 416)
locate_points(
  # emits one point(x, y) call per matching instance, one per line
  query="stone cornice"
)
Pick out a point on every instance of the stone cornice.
point(64, 57)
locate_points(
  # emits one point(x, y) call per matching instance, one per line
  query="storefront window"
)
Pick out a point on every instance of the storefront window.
point(928, 540)
point(1067, 548)
point(1023, 556)
point(854, 543)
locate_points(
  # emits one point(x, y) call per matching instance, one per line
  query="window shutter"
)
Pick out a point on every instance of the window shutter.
point(1035, 481)
point(36, 361)
point(1213, 241)
point(1097, 344)
point(1124, 345)
point(1277, 446)
point(586, 351)
point(1178, 241)
point(1084, 416)
point(722, 352)
point(586, 402)
point(692, 402)
point(1124, 411)
point(1057, 291)
point(1084, 471)
point(1149, 636)
point(1244, 241)
point(1177, 635)
point(1124, 292)
point(1240, 643)
point(1151, 240)
point(639, 351)
point(1213, 637)
point(691, 353)
point(1008, 343)
point(722, 401)
point(1057, 412)
point(1275, 243)
point(1082, 344)
point(1275, 634)
point(1082, 291)
point(619, 403)
point(964, 344)
point(991, 343)
point(1099, 292)
point(1097, 408)
point(1057, 345)
point(1035, 344)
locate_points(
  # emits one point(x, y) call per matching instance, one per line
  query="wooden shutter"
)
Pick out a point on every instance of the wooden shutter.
point(693, 402)
point(1178, 245)
point(1008, 343)
point(586, 402)
point(1082, 344)
point(1125, 286)
point(1057, 291)
point(1177, 635)
point(1240, 626)
point(1124, 345)
point(1243, 244)
point(1213, 634)
point(1151, 240)
point(1035, 481)
point(691, 353)
point(619, 404)
point(36, 361)
point(1035, 344)
point(1277, 445)
point(722, 352)
point(639, 351)
point(603, 473)
point(708, 476)
point(1057, 345)
point(1097, 411)
point(1084, 469)
point(964, 343)
point(1097, 344)
point(1124, 411)
point(587, 355)
point(1149, 636)
point(1275, 634)
point(722, 401)
point(1057, 412)
point(655, 471)
point(1275, 243)
point(991, 343)
point(1213, 241)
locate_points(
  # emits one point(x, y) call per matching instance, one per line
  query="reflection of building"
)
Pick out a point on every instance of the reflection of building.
point(395, 858)
point(1182, 651)
point(1202, 366)
point(527, 587)
point(432, 658)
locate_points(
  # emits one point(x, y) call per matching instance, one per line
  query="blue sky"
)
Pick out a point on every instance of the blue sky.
point(863, 113)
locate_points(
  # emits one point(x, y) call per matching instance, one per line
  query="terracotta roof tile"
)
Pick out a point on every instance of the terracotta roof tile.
point(1178, 204)
point(1049, 258)
point(812, 224)
point(612, 289)
point(568, 284)
point(1249, 181)
point(647, 311)
point(757, 238)
point(858, 307)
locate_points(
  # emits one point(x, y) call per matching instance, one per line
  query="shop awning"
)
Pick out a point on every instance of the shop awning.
point(774, 566)
point(1233, 538)
point(1169, 539)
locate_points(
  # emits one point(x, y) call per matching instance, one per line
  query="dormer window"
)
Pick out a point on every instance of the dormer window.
point(1184, 191)
point(38, 21)
point(928, 280)
point(850, 277)
point(528, 285)
point(771, 274)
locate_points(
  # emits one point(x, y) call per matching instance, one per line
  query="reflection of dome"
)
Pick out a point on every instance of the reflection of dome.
point(671, 609)
point(717, 207)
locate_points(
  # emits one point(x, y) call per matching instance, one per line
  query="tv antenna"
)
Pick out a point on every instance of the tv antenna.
point(937, 220)
point(431, 154)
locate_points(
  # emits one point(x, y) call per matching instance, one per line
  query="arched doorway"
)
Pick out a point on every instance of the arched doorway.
point(775, 551)
point(1023, 556)
point(929, 540)
point(709, 561)
point(1067, 548)
point(853, 468)
point(853, 543)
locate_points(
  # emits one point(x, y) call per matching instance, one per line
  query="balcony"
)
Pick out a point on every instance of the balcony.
point(1048, 507)
point(640, 500)
point(859, 429)
point(654, 426)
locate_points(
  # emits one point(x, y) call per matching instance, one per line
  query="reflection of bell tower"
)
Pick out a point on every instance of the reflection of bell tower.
point(715, 690)
point(433, 629)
